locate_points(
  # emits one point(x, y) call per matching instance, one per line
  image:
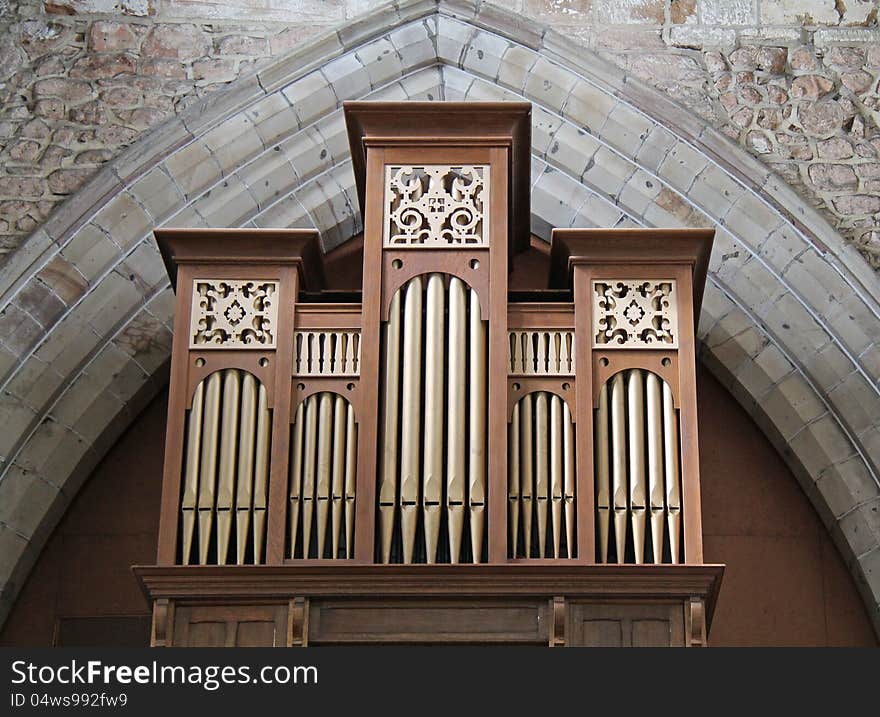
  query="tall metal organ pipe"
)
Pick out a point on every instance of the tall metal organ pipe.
point(322, 480)
point(637, 470)
point(433, 424)
point(226, 466)
point(541, 478)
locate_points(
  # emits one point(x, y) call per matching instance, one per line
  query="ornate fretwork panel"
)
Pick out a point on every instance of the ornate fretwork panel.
point(326, 353)
point(635, 313)
point(233, 314)
point(541, 352)
point(436, 205)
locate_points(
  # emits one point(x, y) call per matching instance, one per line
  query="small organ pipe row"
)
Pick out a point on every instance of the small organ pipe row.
point(226, 471)
point(432, 502)
point(323, 452)
point(637, 470)
point(541, 478)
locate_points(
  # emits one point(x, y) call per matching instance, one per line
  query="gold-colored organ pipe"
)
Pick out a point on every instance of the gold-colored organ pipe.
point(228, 447)
point(513, 495)
point(310, 445)
point(654, 415)
point(569, 477)
point(603, 474)
point(323, 458)
point(411, 415)
point(432, 472)
point(226, 469)
point(208, 463)
point(338, 474)
point(245, 478)
point(636, 445)
point(389, 455)
point(619, 463)
point(456, 440)
point(296, 473)
point(541, 475)
point(526, 465)
point(541, 469)
point(556, 471)
point(350, 479)
point(673, 477)
point(261, 471)
point(477, 424)
point(322, 476)
point(645, 465)
point(189, 500)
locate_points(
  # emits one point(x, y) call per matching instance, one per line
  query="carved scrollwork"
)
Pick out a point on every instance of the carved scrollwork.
point(436, 205)
point(233, 314)
point(635, 313)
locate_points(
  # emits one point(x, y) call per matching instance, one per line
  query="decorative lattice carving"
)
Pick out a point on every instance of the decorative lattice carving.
point(635, 313)
point(436, 205)
point(233, 314)
point(326, 353)
point(541, 352)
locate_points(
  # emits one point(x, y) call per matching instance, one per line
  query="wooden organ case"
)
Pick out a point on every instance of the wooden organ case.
point(438, 459)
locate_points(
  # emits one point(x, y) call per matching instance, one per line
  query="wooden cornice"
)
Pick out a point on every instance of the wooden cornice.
point(692, 247)
point(283, 582)
point(244, 247)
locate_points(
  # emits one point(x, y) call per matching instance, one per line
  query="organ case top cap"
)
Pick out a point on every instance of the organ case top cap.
point(451, 123)
point(245, 247)
point(634, 247)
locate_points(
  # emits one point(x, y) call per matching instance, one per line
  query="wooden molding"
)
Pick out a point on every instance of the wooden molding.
point(283, 582)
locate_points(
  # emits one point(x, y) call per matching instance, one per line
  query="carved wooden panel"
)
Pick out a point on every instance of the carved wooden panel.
point(326, 353)
point(233, 314)
point(541, 352)
point(635, 313)
point(427, 621)
point(436, 205)
point(230, 626)
point(608, 625)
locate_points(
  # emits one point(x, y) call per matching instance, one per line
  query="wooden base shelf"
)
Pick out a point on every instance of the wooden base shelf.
point(436, 604)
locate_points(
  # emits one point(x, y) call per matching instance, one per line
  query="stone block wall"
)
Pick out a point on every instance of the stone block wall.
point(795, 82)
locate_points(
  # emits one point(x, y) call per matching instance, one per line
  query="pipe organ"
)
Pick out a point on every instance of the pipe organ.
point(381, 463)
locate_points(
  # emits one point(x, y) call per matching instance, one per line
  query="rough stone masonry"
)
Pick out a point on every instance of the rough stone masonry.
point(795, 82)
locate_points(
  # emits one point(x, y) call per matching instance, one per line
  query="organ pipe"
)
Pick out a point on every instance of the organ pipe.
point(388, 454)
point(635, 410)
point(636, 446)
point(323, 467)
point(438, 421)
point(189, 500)
point(225, 479)
point(541, 477)
point(411, 415)
point(245, 484)
point(513, 484)
point(456, 441)
point(477, 423)
point(432, 471)
point(673, 479)
point(208, 463)
point(603, 475)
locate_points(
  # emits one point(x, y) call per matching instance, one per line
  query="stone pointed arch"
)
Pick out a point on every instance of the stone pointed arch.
point(790, 316)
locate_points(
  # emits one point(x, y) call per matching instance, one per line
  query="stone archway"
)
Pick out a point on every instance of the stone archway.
point(789, 317)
